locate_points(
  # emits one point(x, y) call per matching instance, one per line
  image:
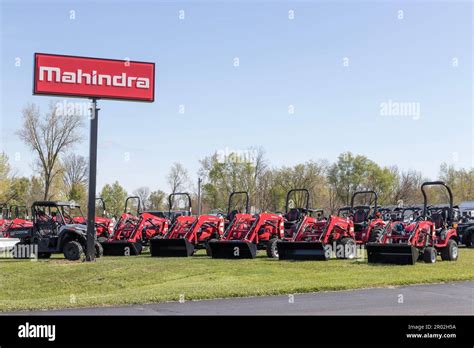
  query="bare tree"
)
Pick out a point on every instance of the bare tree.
point(75, 170)
point(178, 178)
point(49, 136)
point(144, 194)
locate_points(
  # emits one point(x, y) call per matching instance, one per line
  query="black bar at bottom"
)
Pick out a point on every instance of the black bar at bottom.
point(347, 330)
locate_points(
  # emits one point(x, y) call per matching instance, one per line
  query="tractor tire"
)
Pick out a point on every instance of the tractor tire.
point(349, 248)
point(139, 247)
point(450, 251)
point(272, 250)
point(429, 255)
point(99, 250)
point(44, 255)
point(208, 249)
point(74, 251)
point(375, 234)
point(102, 239)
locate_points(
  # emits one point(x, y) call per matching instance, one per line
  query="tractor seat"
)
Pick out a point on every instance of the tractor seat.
point(360, 216)
point(293, 215)
point(291, 218)
point(441, 233)
point(438, 220)
point(232, 214)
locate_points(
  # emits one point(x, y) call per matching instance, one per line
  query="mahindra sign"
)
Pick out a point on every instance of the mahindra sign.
point(93, 77)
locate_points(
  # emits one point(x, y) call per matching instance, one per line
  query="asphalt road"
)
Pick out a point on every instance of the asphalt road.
point(456, 298)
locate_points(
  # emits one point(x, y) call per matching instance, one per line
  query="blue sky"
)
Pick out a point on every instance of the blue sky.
point(283, 62)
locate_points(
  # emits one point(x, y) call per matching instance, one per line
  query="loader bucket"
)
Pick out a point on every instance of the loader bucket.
point(121, 248)
point(315, 251)
point(232, 249)
point(399, 254)
point(171, 247)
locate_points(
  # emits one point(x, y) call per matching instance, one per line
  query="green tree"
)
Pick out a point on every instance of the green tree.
point(223, 174)
point(5, 172)
point(19, 191)
point(157, 200)
point(114, 196)
point(353, 173)
point(461, 182)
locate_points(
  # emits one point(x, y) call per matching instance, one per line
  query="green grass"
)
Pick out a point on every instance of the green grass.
point(57, 283)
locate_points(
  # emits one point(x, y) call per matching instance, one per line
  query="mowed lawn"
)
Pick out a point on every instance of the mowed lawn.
point(57, 283)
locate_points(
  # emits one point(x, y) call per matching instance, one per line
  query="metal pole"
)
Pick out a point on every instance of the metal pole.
point(90, 253)
point(199, 196)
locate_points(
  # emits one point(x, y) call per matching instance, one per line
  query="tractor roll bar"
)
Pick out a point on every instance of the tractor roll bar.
point(246, 194)
point(297, 190)
point(365, 192)
point(101, 200)
point(139, 205)
point(425, 197)
point(170, 200)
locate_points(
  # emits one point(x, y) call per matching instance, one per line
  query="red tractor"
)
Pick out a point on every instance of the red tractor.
point(313, 238)
point(132, 232)
point(431, 234)
point(246, 233)
point(189, 233)
point(103, 224)
point(19, 219)
point(368, 223)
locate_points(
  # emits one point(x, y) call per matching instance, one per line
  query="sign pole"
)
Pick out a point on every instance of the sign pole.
point(90, 256)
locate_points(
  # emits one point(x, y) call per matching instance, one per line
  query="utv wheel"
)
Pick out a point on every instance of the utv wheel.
point(429, 255)
point(450, 251)
point(74, 251)
point(348, 249)
point(272, 250)
point(375, 234)
point(99, 250)
point(44, 255)
point(208, 248)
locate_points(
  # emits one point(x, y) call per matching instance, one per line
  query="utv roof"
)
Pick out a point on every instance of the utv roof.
point(55, 204)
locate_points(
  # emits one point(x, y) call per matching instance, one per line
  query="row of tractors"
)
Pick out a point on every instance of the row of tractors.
point(399, 235)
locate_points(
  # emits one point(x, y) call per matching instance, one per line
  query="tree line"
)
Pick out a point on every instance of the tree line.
point(60, 174)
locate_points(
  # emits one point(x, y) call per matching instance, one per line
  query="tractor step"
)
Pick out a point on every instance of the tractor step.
point(171, 247)
point(121, 248)
point(314, 251)
point(399, 254)
point(232, 249)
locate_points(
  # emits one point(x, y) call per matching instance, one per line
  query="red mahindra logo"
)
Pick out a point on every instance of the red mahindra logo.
point(93, 77)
